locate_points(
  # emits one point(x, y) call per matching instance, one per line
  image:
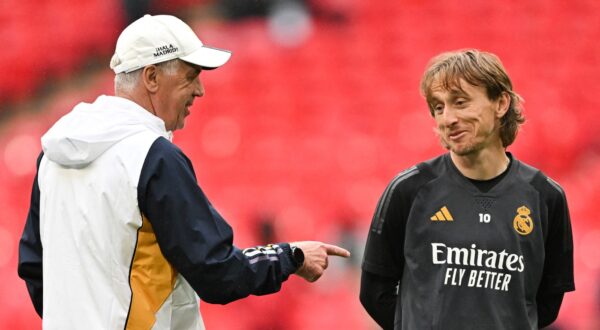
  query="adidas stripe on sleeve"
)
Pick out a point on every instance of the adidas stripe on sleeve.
point(383, 252)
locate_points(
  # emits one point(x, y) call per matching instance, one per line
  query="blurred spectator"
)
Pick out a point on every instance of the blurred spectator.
point(135, 9)
point(265, 227)
point(238, 10)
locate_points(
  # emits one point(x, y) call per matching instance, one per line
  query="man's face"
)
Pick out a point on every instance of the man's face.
point(467, 120)
point(176, 94)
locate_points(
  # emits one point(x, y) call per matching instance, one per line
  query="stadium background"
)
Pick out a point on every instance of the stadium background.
point(300, 132)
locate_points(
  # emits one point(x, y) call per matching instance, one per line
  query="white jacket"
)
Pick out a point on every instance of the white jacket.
point(102, 264)
point(120, 236)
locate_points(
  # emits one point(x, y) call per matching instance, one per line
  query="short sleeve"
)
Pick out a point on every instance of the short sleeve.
point(558, 265)
point(384, 253)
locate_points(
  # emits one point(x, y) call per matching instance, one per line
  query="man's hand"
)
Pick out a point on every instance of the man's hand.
point(315, 258)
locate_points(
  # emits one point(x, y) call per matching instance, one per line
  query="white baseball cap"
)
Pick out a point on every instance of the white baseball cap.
point(160, 38)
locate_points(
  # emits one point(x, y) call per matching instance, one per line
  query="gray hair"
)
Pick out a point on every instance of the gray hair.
point(126, 81)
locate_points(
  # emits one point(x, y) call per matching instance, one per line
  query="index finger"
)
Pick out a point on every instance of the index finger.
point(334, 250)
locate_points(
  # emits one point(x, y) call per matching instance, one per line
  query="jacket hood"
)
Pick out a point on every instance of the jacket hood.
point(82, 135)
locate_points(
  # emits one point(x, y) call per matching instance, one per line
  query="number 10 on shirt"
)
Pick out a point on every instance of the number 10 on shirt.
point(485, 217)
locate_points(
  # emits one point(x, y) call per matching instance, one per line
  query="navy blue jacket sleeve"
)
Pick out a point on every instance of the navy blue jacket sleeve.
point(30, 248)
point(196, 240)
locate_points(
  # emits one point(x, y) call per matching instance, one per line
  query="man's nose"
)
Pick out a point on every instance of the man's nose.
point(198, 88)
point(449, 117)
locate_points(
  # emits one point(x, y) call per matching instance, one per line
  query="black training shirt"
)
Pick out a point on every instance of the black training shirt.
point(468, 259)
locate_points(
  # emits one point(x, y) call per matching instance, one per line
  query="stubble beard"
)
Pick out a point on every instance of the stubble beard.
point(464, 149)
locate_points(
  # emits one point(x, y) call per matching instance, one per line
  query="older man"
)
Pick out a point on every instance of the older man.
point(119, 234)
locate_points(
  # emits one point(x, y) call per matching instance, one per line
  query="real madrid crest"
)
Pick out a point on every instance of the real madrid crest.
point(523, 223)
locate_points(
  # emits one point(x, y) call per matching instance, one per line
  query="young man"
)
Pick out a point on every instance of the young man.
point(472, 239)
point(119, 234)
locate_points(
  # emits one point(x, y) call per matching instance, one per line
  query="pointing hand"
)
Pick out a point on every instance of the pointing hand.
point(316, 258)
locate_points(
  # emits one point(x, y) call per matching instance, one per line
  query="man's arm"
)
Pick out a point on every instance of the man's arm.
point(30, 249)
point(548, 307)
point(314, 255)
point(378, 295)
point(383, 261)
point(558, 276)
point(198, 242)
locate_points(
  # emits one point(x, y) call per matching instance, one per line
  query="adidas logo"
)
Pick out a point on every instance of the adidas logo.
point(442, 215)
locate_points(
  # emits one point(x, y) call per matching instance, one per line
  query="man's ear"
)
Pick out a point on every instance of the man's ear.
point(503, 104)
point(149, 76)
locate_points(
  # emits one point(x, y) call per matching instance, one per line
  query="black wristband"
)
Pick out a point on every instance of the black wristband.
point(297, 256)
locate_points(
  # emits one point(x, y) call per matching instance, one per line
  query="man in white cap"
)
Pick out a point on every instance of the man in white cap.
point(119, 234)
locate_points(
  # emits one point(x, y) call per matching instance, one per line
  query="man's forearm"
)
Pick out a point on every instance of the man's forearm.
point(378, 295)
point(548, 307)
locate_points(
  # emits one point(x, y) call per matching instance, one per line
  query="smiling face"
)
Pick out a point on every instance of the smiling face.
point(177, 87)
point(467, 120)
point(456, 72)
